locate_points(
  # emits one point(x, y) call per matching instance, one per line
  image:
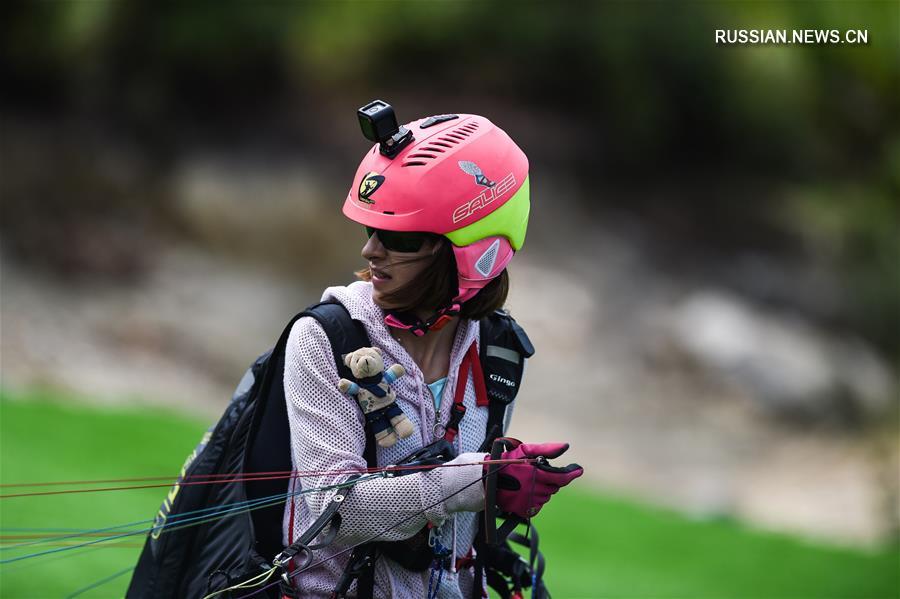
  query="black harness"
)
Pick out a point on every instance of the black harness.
point(503, 349)
point(253, 436)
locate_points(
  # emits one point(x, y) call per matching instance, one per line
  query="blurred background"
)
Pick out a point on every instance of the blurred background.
point(711, 266)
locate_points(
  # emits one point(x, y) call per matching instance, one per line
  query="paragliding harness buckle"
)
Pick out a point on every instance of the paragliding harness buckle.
point(435, 454)
point(457, 412)
point(301, 549)
point(361, 566)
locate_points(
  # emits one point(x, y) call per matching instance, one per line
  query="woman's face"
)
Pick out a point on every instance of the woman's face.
point(392, 270)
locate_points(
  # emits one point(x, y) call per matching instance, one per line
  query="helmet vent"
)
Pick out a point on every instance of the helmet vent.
point(471, 127)
point(449, 139)
point(443, 144)
point(485, 263)
point(413, 163)
point(422, 156)
point(430, 149)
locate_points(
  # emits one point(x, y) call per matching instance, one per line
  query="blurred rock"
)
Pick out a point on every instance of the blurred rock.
point(792, 368)
point(276, 213)
point(617, 374)
point(182, 336)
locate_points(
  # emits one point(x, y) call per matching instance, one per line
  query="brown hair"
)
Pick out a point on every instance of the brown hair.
point(438, 284)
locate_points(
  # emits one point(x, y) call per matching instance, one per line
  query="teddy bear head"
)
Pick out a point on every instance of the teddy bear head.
point(365, 362)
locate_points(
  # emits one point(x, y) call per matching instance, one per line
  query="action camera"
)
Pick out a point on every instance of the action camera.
point(379, 124)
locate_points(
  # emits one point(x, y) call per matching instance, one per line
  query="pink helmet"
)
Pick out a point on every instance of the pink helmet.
point(461, 177)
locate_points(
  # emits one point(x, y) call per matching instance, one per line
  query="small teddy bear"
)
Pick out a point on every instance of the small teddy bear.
point(375, 397)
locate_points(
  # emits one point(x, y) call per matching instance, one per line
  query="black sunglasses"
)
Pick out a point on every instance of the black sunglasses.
point(399, 241)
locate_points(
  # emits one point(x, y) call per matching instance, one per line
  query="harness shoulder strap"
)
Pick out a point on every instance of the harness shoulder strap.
point(504, 348)
point(344, 333)
point(268, 443)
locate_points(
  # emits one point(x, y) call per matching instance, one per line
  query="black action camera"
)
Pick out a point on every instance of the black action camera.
point(379, 124)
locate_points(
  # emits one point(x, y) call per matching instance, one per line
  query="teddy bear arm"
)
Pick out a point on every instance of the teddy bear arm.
point(394, 372)
point(348, 386)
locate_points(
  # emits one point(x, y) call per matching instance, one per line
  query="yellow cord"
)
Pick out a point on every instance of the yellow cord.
point(246, 584)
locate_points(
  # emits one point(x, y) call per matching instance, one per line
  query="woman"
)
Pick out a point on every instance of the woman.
point(444, 217)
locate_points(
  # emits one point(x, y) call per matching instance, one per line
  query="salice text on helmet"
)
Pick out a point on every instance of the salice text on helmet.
point(486, 197)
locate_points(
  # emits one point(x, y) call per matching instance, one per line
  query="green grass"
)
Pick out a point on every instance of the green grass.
point(596, 546)
point(603, 547)
point(44, 441)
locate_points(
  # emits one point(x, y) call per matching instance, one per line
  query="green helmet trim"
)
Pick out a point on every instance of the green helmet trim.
point(509, 220)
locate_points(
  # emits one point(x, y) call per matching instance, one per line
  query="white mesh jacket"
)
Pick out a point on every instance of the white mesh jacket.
point(327, 434)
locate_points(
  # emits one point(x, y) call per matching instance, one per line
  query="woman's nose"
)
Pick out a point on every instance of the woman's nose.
point(373, 248)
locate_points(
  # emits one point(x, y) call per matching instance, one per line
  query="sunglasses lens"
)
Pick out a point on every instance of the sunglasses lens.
point(398, 241)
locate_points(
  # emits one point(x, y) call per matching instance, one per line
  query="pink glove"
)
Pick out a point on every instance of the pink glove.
point(522, 489)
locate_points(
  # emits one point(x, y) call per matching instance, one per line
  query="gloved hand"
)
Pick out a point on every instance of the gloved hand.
point(522, 489)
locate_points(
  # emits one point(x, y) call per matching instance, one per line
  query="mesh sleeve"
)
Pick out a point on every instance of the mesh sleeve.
point(328, 435)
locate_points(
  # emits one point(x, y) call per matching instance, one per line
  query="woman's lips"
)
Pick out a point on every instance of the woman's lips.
point(378, 276)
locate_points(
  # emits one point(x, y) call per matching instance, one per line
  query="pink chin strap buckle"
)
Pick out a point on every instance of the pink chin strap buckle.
point(419, 327)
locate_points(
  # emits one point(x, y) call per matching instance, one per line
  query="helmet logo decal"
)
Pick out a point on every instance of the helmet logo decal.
point(485, 198)
point(369, 185)
point(473, 169)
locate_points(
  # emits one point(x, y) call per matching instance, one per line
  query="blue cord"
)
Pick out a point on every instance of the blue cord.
point(437, 566)
point(175, 520)
point(99, 582)
point(96, 541)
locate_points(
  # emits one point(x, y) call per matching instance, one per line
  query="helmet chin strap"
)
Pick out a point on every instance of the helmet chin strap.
point(469, 287)
point(419, 327)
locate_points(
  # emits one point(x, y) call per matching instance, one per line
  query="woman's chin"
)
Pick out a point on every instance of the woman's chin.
point(379, 296)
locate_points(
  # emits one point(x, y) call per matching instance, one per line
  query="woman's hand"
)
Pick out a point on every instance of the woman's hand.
point(522, 489)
